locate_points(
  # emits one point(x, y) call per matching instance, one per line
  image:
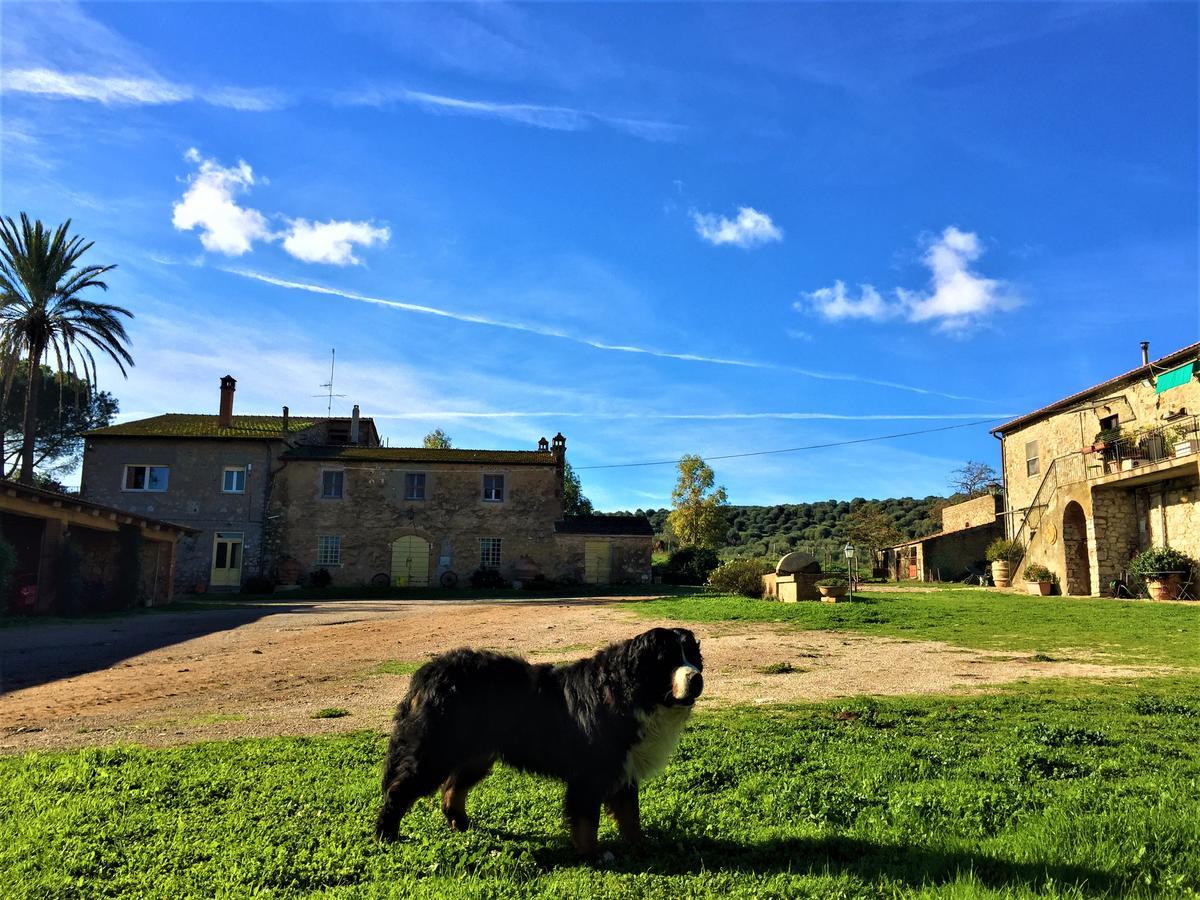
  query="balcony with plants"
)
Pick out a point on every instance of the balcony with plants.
point(1117, 450)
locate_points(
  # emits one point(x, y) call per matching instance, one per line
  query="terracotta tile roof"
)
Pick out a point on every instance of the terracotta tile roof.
point(422, 455)
point(1166, 362)
point(53, 499)
point(188, 425)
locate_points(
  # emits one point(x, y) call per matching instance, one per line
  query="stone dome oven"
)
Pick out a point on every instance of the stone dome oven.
point(795, 578)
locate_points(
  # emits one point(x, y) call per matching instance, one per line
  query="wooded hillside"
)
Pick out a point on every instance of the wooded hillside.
point(816, 528)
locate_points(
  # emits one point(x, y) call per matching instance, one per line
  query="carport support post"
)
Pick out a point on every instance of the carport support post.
point(53, 534)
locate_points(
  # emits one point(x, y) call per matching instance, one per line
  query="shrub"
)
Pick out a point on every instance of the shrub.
point(691, 565)
point(1160, 560)
point(1038, 572)
point(1004, 550)
point(258, 584)
point(487, 578)
point(320, 578)
point(741, 576)
point(832, 582)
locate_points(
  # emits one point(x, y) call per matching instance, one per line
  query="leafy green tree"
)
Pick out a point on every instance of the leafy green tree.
point(66, 409)
point(574, 502)
point(699, 517)
point(437, 440)
point(43, 315)
point(869, 528)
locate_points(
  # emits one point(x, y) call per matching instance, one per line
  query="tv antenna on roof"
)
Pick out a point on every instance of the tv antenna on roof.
point(329, 394)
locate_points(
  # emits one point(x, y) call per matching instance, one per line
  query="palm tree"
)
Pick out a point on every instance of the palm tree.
point(42, 314)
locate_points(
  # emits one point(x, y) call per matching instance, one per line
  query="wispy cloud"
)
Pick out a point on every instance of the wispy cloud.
point(556, 118)
point(751, 228)
point(128, 90)
point(546, 331)
point(956, 298)
point(210, 204)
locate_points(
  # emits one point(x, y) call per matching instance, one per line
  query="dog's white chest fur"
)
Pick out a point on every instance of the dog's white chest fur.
point(658, 736)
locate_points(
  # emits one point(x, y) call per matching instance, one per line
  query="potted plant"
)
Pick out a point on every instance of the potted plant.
point(1104, 437)
point(832, 589)
point(1002, 553)
point(1039, 580)
point(1162, 568)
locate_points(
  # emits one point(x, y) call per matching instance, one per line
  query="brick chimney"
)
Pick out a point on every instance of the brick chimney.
point(286, 421)
point(228, 386)
point(354, 416)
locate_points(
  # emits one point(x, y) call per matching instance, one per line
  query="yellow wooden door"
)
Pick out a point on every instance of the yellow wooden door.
point(410, 562)
point(227, 559)
point(597, 560)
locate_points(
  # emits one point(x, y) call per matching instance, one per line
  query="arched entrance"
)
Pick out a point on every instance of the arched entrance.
point(410, 561)
point(1074, 535)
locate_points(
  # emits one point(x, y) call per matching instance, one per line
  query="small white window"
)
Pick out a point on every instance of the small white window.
point(146, 478)
point(329, 549)
point(1033, 464)
point(414, 486)
point(233, 480)
point(332, 481)
point(489, 553)
point(493, 488)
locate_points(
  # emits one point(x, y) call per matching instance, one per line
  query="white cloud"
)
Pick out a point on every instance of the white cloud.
point(957, 297)
point(129, 90)
point(751, 228)
point(101, 89)
point(209, 204)
point(331, 242)
point(835, 304)
point(555, 118)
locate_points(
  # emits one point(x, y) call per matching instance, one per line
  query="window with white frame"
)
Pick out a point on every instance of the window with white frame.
point(493, 488)
point(233, 480)
point(145, 478)
point(1033, 463)
point(489, 553)
point(414, 486)
point(329, 549)
point(332, 482)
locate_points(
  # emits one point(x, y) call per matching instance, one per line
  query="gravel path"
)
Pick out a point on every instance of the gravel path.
point(171, 678)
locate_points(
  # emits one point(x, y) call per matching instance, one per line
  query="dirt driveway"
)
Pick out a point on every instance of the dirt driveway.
point(171, 678)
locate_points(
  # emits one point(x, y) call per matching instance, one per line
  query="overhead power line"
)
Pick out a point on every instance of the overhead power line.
point(866, 440)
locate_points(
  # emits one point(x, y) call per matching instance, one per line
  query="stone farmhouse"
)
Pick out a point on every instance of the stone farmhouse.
point(285, 496)
point(1094, 478)
point(957, 551)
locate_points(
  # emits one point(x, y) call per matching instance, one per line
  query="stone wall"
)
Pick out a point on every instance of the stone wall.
point(979, 511)
point(193, 496)
point(630, 557)
point(453, 517)
point(1113, 534)
point(953, 556)
point(1174, 515)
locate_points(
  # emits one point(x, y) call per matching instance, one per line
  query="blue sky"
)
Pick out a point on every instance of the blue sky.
point(660, 229)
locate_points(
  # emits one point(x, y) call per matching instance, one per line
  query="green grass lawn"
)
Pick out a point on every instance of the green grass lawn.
point(1054, 789)
point(1124, 631)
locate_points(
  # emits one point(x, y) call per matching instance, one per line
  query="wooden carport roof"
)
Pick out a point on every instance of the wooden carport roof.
point(23, 500)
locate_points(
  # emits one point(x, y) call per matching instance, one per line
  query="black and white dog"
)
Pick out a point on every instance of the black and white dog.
point(603, 725)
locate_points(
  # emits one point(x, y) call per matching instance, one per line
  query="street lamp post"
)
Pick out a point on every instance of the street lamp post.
point(850, 552)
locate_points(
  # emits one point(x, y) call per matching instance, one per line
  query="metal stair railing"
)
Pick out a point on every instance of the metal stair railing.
point(1036, 509)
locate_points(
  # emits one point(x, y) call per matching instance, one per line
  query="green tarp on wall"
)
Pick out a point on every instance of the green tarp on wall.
point(1174, 378)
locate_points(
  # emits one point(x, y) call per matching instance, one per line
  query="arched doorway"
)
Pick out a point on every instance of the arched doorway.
point(1074, 535)
point(410, 561)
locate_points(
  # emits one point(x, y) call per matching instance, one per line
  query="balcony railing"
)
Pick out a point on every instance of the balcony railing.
point(1130, 452)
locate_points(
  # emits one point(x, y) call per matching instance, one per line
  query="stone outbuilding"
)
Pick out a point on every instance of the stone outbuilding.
point(73, 556)
point(957, 551)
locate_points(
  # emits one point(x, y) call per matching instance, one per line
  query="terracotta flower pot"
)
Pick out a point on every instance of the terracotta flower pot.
point(1039, 588)
point(831, 593)
point(1002, 573)
point(1164, 586)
